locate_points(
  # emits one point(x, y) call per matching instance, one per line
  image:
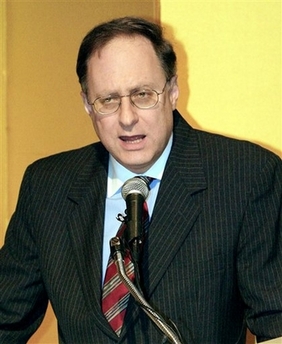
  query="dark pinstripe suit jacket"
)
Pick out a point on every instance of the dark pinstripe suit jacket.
point(212, 260)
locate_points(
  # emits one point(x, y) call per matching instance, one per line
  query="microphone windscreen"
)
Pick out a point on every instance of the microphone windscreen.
point(136, 185)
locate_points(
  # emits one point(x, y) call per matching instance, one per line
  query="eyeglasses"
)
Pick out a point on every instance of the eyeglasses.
point(143, 98)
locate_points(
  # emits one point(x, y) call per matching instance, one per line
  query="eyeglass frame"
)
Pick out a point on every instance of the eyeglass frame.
point(131, 101)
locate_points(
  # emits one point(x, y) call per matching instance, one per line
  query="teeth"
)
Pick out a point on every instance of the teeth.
point(133, 141)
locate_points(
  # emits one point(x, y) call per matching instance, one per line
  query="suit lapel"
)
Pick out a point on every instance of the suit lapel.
point(173, 220)
point(86, 225)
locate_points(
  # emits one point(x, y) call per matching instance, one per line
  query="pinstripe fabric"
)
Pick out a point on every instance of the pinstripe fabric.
point(212, 260)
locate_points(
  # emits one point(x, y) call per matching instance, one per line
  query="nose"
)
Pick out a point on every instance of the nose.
point(127, 112)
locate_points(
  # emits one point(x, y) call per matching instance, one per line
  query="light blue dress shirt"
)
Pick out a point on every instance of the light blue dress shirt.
point(115, 204)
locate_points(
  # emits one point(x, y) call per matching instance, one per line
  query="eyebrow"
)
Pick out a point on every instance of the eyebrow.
point(114, 94)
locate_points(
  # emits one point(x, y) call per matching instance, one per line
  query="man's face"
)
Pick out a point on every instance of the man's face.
point(135, 137)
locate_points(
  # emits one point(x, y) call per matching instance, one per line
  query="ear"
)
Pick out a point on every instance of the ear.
point(88, 108)
point(174, 91)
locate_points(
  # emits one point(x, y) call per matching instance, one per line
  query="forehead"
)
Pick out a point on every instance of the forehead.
point(124, 59)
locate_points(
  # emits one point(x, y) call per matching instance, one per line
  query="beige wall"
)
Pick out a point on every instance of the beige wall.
point(233, 52)
point(41, 110)
point(3, 131)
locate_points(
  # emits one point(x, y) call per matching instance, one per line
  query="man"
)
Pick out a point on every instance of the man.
point(212, 258)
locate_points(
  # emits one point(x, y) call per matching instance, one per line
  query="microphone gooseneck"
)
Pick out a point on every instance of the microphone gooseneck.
point(168, 329)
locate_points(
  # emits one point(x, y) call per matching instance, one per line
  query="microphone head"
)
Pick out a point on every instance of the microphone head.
point(136, 185)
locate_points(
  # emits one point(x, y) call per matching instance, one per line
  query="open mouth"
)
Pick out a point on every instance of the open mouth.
point(132, 139)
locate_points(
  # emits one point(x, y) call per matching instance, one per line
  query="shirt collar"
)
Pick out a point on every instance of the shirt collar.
point(118, 174)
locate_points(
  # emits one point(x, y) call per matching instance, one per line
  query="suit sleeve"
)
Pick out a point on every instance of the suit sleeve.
point(260, 253)
point(23, 300)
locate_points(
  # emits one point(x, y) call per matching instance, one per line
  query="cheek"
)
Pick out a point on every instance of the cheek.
point(104, 128)
point(161, 128)
point(98, 127)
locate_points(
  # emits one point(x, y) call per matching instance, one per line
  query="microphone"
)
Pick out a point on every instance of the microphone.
point(135, 191)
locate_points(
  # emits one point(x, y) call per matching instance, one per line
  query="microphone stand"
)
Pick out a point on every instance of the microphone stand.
point(117, 253)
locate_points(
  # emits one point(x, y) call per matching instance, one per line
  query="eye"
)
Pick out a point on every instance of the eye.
point(142, 94)
point(107, 100)
point(111, 100)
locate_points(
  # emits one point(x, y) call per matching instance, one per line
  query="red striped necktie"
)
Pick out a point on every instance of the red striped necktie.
point(115, 294)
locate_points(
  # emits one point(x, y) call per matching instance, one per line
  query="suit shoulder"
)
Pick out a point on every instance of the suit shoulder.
point(214, 147)
point(68, 158)
point(243, 164)
point(222, 147)
point(66, 165)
